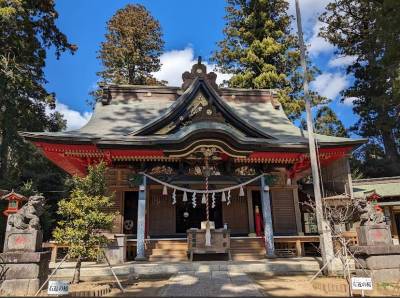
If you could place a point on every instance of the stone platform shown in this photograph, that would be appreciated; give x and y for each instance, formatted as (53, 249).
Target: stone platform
(382, 263)
(279, 266)
(26, 272)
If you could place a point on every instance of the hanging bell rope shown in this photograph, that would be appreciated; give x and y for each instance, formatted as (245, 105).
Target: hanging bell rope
(197, 190)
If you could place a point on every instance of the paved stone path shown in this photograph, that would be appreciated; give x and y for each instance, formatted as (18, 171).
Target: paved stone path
(214, 283)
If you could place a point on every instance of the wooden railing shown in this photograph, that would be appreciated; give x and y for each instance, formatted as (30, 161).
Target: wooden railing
(293, 245)
(53, 247)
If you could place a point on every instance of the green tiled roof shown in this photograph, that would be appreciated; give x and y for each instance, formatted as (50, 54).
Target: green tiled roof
(384, 187)
(121, 119)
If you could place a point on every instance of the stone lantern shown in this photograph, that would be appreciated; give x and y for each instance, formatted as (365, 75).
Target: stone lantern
(15, 202)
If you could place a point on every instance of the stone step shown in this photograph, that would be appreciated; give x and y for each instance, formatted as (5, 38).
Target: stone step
(247, 247)
(178, 245)
(248, 250)
(247, 244)
(167, 259)
(247, 257)
(163, 252)
(169, 241)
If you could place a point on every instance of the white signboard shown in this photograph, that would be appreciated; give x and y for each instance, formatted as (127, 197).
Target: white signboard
(57, 287)
(361, 283)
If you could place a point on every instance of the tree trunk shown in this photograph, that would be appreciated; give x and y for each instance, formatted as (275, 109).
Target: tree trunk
(5, 144)
(77, 273)
(390, 146)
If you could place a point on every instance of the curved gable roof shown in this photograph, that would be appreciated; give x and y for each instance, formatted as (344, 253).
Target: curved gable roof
(175, 110)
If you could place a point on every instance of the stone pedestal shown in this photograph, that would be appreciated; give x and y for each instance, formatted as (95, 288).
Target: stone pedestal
(23, 240)
(380, 262)
(116, 250)
(26, 272)
(374, 235)
(376, 256)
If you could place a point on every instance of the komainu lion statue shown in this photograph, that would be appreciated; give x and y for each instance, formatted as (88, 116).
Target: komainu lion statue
(27, 218)
(368, 214)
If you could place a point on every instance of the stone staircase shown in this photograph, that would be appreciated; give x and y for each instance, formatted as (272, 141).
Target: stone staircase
(242, 249)
(247, 249)
(167, 250)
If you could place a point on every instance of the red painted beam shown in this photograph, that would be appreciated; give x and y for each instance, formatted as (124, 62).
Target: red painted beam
(258, 154)
(60, 154)
(72, 165)
(324, 159)
(139, 153)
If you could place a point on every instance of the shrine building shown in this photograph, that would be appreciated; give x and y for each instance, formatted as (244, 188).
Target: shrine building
(161, 144)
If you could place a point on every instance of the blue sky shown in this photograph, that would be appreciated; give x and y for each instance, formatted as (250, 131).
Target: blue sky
(190, 28)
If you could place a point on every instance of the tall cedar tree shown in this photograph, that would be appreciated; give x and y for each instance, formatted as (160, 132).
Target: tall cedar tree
(84, 217)
(327, 123)
(132, 48)
(370, 31)
(261, 52)
(27, 29)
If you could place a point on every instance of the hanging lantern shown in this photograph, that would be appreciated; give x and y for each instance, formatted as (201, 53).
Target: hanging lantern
(184, 198)
(194, 200)
(241, 192)
(165, 191)
(203, 199)
(174, 197)
(223, 198)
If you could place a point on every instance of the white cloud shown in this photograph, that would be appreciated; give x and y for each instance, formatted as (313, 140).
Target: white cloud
(317, 44)
(348, 101)
(341, 61)
(176, 62)
(310, 9)
(330, 84)
(75, 119)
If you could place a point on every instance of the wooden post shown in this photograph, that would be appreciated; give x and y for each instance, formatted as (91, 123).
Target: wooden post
(324, 231)
(267, 218)
(349, 180)
(141, 222)
(250, 211)
(299, 225)
(54, 251)
(299, 248)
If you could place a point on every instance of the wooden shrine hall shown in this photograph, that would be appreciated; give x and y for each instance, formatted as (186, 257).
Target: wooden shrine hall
(158, 141)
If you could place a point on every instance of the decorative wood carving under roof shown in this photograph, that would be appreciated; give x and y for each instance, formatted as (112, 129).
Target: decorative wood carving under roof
(199, 103)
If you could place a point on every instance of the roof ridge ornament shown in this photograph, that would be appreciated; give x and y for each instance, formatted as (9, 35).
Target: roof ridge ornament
(199, 70)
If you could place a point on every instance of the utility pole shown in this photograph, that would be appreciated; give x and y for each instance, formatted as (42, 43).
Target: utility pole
(324, 231)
